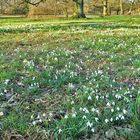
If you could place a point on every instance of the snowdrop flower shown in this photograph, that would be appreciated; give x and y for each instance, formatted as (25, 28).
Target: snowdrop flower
(1, 113)
(1, 93)
(107, 96)
(113, 80)
(102, 97)
(96, 119)
(89, 124)
(97, 111)
(59, 131)
(55, 58)
(71, 86)
(118, 108)
(84, 117)
(5, 90)
(97, 97)
(93, 109)
(66, 116)
(100, 71)
(122, 117)
(86, 111)
(34, 122)
(118, 96)
(43, 114)
(111, 119)
(133, 88)
(112, 110)
(106, 120)
(33, 78)
(7, 81)
(113, 103)
(108, 104)
(50, 114)
(40, 120)
(72, 102)
(81, 109)
(32, 116)
(124, 111)
(89, 98)
(117, 118)
(131, 96)
(73, 115)
(93, 130)
(38, 116)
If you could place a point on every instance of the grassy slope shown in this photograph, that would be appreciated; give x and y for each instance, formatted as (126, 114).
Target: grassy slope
(50, 69)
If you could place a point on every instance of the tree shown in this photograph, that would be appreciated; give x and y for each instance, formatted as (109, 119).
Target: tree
(65, 5)
(79, 9)
(108, 7)
(104, 7)
(131, 6)
(121, 7)
(1, 6)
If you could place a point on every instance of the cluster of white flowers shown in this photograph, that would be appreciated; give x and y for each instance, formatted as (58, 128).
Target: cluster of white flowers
(97, 94)
(98, 107)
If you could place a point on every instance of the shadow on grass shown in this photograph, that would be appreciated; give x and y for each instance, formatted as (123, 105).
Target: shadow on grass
(67, 26)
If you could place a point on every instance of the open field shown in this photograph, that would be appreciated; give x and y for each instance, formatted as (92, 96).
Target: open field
(70, 79)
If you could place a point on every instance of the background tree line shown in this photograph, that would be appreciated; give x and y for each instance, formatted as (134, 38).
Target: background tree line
(76, 8)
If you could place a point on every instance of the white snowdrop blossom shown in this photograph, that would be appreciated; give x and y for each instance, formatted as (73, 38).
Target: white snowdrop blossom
(106, 120)
(112, 110)
(111, 119)
(73, 115)
(89, 124)
(72, 102)
(66, 117)
(59, 131)
(108, 104)
(1, 113)
(93, 109)
(43, 114)
(96, 119)
(97, 97)
(84, 117)
(93, 130)
(117, 118)
(89, 98)
(118, 108)
(113, 103)
(34, 122)
(124, 111)
(40, 120)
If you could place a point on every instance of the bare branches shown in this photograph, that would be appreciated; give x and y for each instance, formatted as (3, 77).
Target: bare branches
(34, 2)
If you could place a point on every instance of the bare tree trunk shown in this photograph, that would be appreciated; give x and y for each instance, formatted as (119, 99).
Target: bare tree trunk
(130, 10)
(104, 7)
(79, 9)
(1, 6)
(66, 11)
(121, 7)
(55, 8)
(108, 7)
(31, 10)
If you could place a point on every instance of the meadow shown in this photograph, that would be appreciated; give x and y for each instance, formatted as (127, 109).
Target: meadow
(69, 79)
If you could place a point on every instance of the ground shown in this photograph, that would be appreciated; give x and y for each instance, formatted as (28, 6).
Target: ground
(70, 79)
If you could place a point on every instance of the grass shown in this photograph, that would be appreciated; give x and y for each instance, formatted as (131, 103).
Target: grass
(69, 79)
